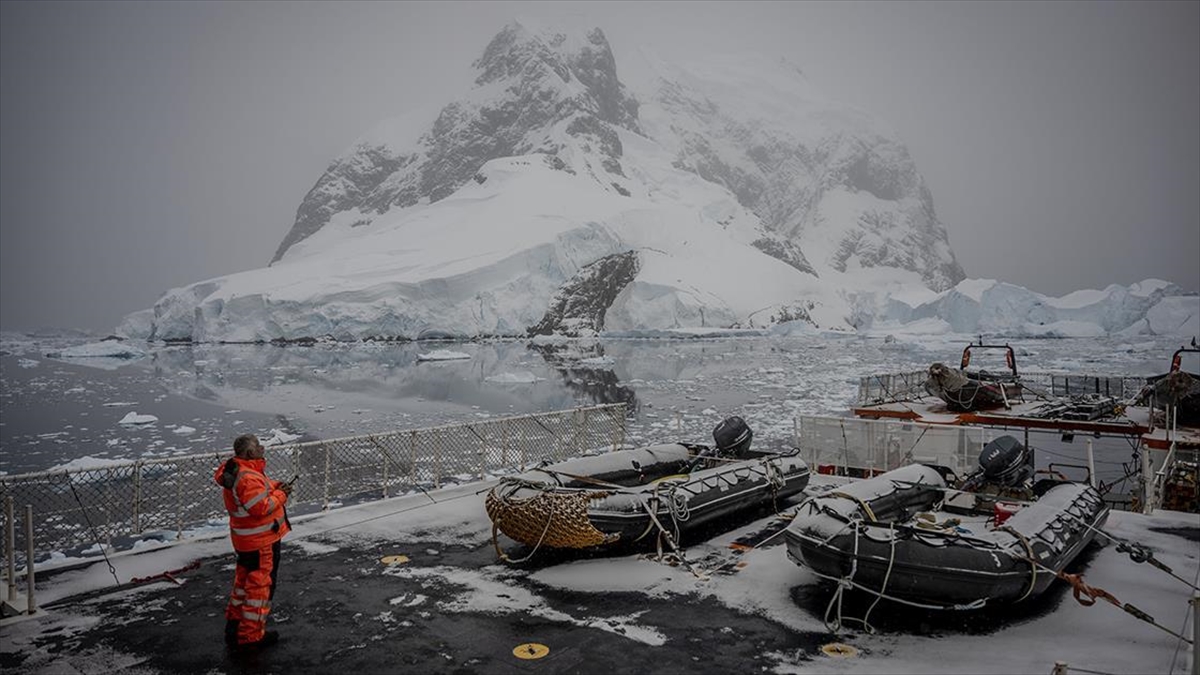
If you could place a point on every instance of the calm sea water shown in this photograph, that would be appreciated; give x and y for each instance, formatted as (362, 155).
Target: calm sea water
(54, 411)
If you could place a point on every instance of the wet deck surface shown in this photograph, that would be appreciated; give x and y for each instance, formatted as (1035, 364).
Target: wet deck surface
(345, 610)
(452, 607)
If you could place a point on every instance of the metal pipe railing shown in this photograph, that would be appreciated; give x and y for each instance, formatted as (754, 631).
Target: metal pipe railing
(1195, 602)
(30, 576)
(10, 548)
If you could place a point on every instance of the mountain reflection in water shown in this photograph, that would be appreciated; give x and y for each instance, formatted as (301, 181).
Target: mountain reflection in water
(675, 389)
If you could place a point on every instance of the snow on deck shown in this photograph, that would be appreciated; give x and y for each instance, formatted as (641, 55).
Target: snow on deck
(452, 607)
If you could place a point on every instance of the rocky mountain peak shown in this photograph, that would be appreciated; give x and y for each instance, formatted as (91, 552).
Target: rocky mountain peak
(530, 81)
(553, 196)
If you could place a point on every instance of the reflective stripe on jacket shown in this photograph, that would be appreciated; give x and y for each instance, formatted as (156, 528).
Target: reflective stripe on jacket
(257, 516)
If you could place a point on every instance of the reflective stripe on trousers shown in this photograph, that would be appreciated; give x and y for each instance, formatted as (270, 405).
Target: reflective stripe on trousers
(253, 588)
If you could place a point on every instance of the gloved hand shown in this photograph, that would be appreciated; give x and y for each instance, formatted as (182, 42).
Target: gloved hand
(286, 489)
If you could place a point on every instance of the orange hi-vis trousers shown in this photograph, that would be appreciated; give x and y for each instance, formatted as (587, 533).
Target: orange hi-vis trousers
(253, 589)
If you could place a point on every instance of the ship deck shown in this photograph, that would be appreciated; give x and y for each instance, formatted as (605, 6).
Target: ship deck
(414, 584)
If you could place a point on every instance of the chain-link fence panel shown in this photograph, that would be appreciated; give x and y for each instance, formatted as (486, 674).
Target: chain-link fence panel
(892, 387)
(76, 510)
(861, 446)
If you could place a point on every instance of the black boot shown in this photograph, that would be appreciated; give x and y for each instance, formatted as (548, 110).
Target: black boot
(231, 626)
(269, 638)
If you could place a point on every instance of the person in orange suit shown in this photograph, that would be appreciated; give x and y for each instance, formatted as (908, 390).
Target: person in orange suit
(257, 522)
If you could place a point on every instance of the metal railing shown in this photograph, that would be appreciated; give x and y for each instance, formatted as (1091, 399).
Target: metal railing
(164, 498)
(910, 386)
(872, 446)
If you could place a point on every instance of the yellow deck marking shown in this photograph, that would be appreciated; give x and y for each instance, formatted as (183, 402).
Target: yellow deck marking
(530, 650)
(839, 651)
(394, 559)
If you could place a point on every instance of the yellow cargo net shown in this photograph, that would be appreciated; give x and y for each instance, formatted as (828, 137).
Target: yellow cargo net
(558, 519)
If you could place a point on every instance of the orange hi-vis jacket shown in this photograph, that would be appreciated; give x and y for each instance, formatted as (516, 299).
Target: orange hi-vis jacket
(255, 503)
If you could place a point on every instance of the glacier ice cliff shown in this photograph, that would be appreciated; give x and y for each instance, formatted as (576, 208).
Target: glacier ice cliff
(554, 196)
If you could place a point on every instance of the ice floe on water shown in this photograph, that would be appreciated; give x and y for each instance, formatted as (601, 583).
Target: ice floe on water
(88, 463)
(279, 437)
(134, 419)
(443, 355)
(514, 378)
(110, 348)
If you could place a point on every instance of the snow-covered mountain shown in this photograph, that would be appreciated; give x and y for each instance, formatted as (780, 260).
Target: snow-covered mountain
(555, 197)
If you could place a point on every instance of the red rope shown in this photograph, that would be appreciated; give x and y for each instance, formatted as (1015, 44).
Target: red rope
(1081, 588)
(169, 575)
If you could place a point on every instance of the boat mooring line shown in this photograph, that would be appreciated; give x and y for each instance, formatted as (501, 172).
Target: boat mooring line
(83, 509)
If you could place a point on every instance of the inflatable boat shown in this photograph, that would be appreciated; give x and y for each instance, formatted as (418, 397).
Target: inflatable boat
(628, 495)
(908, 534)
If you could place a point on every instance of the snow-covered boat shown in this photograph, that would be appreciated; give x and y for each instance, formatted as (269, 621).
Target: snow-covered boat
(908, 534)
(965, 391)
(629, 495)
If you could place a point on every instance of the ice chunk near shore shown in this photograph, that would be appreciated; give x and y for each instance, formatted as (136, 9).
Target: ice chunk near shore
(134, 419)
(106, 349)
(514, 378)
(442, 355)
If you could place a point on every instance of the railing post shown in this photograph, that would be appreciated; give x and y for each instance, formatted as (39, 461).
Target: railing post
(576, 433)
(437, 456)
(504, 442)
(137, 496)
(1196, 635)
(1091, 460)
(412, 449)
(178, 502)
(29, 573)
(328, 459)
(557, 440)
(586, 433)
(524, 447)
(10, 548)
(617, 417)
(483, 458)
(385, 475)
(1147, 481)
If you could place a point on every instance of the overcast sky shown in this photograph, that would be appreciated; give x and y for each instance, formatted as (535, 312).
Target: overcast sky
(145, 146)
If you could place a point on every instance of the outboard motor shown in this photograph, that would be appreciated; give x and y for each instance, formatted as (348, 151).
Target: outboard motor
(732, 437)
(1004, 462)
